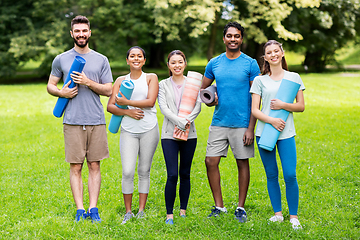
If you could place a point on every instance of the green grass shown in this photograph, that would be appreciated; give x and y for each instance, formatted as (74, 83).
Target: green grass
(36, 201)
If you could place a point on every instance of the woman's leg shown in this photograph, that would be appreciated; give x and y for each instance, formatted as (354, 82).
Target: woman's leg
(171, 152)
(129, 148)
(287, 153)
(148, 144)
(187, 150)
(269, 161)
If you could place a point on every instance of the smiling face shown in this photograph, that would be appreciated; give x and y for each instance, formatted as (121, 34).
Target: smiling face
(176, 65)
(135, 59)
(80, 33)
(273, 54)
(233, 39)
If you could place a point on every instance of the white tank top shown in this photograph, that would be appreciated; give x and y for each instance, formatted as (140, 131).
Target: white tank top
(149, 120)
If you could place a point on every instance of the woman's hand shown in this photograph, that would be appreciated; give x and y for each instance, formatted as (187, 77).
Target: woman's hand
(276, 104)
(121, 100)
(135, 113)
(278, 124)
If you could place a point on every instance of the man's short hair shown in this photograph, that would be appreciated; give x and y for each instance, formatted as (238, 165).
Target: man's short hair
(235, 25)
(80, 19)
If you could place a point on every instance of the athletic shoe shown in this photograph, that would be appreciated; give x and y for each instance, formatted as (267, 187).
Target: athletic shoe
(93, 213)
(169, 221)
(140, 214)
(183, 215)
(127, 217)
(295, 223)
(80, 215)
(215, 212)
(276, 218)
(240, 215)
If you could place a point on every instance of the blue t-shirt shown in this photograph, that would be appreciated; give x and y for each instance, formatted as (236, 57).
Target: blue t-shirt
(233, 77)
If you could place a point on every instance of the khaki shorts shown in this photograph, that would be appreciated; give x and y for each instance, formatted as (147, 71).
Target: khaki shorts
(85, 141)
(221, 137)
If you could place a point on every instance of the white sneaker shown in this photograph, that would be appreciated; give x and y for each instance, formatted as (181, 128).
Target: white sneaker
(276, 218)
(127, 217)
(295, 223)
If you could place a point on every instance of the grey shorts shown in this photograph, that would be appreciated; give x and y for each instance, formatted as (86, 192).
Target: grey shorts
(85, 141)
(221, 137)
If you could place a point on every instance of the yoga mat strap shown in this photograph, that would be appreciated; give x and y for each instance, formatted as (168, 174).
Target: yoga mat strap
(286, 93)
(77, 66)
(126, 88)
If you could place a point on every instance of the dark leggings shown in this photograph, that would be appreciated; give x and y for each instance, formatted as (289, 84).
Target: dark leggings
(171, 150)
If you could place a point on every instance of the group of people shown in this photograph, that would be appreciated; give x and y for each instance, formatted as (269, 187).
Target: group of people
(241, 90)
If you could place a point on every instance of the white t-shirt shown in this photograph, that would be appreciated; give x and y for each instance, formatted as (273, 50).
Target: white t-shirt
(267, 88)
(149, 120)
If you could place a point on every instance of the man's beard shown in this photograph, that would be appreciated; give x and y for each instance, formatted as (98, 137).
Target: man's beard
(234, 49)
(81, 45)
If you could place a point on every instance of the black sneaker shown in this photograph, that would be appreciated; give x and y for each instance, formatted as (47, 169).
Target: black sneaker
(215, 212)
(240, 215)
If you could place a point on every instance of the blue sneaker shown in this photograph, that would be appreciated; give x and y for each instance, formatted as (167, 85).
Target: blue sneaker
(169, 221)
(240, 215)
(93, 213)
(80, 215)
(215, 212)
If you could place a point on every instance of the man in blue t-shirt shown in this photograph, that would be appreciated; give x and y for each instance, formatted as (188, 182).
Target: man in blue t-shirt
(84, 119)
(232, 122)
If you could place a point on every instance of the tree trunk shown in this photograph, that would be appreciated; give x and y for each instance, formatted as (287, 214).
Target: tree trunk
(211, 47)
(155, 58)
(314, 61)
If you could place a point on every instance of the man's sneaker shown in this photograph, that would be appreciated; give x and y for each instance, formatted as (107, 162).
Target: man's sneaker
(295, 223)
(80, 215)
(240, 215)
(93, 213)
(276, 218)
(140, 214)
(127, 217)
(215, 212)
(169, 221)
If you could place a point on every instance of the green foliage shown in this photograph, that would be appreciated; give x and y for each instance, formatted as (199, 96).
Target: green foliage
(325, 30)
(36, 200)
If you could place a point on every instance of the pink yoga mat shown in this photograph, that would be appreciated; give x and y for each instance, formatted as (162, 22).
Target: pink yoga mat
(189, 97)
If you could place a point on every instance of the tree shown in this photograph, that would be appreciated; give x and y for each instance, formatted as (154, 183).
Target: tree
(325, 29)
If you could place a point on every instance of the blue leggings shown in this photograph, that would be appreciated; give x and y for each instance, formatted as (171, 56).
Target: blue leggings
(171, 149)
(287, 153)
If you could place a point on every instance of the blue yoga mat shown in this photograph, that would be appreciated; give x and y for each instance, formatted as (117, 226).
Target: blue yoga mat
(77, 65)
(286, 93)
(126, 88)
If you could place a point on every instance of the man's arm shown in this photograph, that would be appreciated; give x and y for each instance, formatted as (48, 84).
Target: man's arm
(65, 92)
(101, 89)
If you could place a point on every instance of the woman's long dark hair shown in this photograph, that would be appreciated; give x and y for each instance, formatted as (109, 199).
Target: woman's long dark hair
(266, 65)
(175, 52)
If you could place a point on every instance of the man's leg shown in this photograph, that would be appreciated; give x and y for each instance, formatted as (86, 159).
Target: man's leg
(76, 184)
(94, 183)
(213, 173)
(243, 179)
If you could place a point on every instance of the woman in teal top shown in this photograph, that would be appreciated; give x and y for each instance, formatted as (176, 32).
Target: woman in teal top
(264, 89)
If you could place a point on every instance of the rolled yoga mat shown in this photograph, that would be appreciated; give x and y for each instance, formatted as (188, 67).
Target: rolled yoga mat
(188, 99)
(207, 95)
(126, 88)
(77, 65)
(286, 93)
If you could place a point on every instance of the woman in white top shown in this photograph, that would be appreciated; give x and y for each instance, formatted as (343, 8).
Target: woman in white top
(170, 94)
(264, 88)
(139, 135)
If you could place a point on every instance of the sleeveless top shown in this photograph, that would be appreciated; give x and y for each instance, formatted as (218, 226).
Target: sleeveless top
(149, 120)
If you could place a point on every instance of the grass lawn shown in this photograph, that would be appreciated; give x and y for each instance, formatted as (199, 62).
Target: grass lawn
(36, 201)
